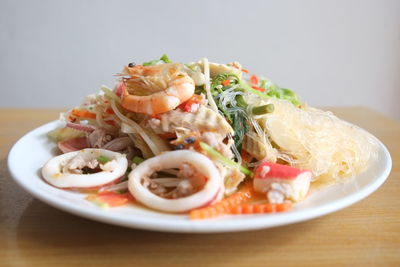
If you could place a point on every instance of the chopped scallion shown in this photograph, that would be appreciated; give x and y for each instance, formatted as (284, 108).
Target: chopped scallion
(260, 110)
(137, 160)
(165, 58)
(221, 158)
(103, 159)
(241, 102)
(151, 62)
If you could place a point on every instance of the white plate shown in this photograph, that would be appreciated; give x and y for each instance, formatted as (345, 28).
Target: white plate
(29, 154)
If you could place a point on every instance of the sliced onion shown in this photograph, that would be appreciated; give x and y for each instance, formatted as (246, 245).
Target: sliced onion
(81, 127)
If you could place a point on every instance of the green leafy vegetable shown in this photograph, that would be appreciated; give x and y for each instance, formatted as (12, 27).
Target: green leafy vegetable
(231, 103)
(216, 86)
(228, 91)
(248, 88)
(272, 90)
(163, 59)
(281, 93)
(241, 127)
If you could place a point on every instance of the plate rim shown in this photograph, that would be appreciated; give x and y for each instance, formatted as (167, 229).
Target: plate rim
(253, 222)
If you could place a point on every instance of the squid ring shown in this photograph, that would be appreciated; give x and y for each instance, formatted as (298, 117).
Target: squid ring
(212, 188)
(55, 174)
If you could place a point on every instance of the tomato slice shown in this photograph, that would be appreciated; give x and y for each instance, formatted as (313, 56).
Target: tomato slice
(112, 199)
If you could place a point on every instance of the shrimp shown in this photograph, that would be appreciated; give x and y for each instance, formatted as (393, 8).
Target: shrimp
(156, 89)
(143, 188)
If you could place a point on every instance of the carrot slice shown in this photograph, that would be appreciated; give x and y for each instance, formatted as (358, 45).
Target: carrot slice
(224, 206)
(225, 82)
(260, 208)
(283, 207)
(83, 113)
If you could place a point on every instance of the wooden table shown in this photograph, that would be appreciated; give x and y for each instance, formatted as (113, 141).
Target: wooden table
(35, 234)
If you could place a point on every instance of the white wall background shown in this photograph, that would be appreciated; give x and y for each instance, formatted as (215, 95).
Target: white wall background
(333, 53)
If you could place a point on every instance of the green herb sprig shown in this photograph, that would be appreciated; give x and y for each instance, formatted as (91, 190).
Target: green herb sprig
(163, 59)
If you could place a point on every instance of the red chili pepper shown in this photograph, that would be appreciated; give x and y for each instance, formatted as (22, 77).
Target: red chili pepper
(168, 136)
(155, 116)
(109, 111)
(119, 89)
(258, 88)
(187, 105)
(246, 157)
(237, 67)
(254, 80)
(112, 123)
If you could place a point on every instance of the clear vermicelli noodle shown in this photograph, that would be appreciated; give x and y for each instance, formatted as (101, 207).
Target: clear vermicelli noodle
(319, 141)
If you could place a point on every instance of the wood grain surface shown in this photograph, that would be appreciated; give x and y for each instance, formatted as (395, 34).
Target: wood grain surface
(35, 234)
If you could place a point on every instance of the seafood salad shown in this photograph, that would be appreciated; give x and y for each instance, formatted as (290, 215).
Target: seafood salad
(202, 139)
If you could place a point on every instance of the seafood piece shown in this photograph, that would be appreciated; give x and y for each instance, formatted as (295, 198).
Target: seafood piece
(208, 126)
(254, 145)
(118, 144)
(203, 167)
(203, 120)
(282, 182)
(215, 140)
(156, 89)
(144, 80)
(197, 76)
(85, 168)
(98, 138)
(232, 178)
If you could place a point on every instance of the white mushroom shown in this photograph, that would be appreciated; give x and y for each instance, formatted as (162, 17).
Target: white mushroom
(69, 170)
